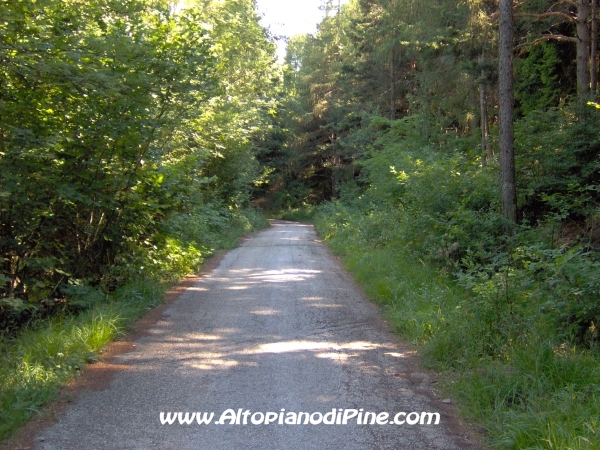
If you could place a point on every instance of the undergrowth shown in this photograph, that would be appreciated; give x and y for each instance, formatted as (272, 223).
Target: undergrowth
(47, 354)
(532, 389)
(304, 213)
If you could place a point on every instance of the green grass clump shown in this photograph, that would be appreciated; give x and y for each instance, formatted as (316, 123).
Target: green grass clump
(542, 397)
(44, 356)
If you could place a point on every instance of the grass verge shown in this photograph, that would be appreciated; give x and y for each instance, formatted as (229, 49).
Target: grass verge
(48, 354)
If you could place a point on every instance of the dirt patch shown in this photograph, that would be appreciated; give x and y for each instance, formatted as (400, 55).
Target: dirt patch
(98, 375)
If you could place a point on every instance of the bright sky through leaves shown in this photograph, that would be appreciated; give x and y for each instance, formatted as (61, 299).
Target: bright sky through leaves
(290, 17)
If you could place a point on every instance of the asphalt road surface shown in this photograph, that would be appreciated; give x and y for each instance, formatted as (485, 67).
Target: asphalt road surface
(279, 325)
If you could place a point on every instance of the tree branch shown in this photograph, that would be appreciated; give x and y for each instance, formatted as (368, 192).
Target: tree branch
(548, 37)
(548, 14)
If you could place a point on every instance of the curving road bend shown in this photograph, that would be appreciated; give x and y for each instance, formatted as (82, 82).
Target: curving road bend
(278, 325)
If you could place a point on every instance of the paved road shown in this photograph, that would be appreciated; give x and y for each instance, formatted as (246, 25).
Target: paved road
(278, 325)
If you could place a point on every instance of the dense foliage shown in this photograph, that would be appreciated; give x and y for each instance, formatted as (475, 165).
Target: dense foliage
(128, 135)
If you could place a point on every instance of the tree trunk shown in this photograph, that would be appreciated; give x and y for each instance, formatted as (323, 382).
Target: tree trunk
(508, 192)
(594, 49)
(485, 145)
(583, 47)
(484, 118)
(393, 85)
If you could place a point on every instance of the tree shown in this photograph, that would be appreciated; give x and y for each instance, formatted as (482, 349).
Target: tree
(583, 47)
(484, 122)
(573, 13)
(508, 191)
(594, 48)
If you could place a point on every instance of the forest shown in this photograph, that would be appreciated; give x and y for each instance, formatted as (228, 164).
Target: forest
(448, 151)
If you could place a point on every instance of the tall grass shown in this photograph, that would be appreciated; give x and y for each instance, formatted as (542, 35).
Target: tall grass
(44, 356)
